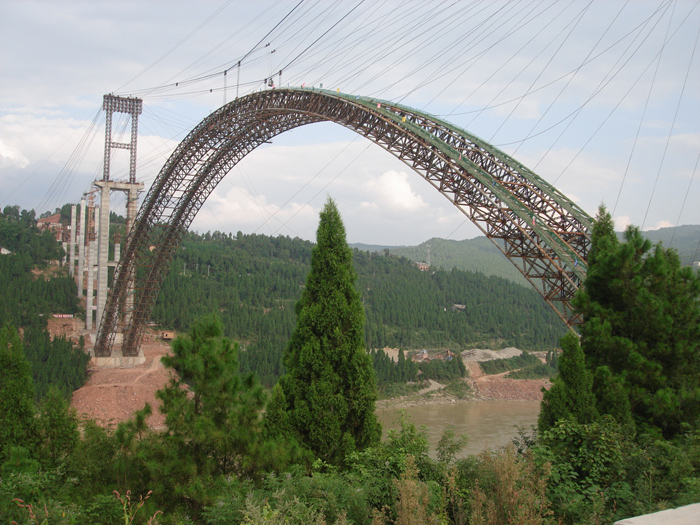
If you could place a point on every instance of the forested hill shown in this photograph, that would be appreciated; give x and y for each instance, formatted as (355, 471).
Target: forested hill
(684, 239)
(474, 255)
(254, 281)
(32, 287)
(481, 255)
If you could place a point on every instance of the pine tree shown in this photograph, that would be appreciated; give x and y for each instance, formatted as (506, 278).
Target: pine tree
(57, 429)
(329, 390)
(641, 330)
(212, 412)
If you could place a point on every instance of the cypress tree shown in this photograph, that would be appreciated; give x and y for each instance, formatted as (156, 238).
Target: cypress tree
(329, 390)
(571, 396)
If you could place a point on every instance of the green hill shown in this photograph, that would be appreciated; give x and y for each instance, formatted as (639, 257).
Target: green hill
(473, 255)
(684, 239)
(481, 255)
(254, 281)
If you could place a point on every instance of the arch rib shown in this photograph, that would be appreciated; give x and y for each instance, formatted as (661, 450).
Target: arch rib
(541, 231)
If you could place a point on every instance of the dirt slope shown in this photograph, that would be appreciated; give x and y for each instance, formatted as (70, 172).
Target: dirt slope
(112, 395)
(497, 386)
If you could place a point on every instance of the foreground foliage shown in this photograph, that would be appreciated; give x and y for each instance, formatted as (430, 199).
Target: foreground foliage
(213, 465)
(639, 354)
(326, 399)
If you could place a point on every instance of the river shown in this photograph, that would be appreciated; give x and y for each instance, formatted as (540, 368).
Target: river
(489, 424)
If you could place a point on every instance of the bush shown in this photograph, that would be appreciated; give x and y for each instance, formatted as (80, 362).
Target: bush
(498, 366)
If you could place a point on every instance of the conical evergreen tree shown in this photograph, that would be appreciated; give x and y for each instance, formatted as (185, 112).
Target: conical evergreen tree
(571, 396)
(329, 390)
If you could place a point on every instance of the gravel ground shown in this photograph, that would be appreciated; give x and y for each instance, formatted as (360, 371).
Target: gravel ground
(478, 354)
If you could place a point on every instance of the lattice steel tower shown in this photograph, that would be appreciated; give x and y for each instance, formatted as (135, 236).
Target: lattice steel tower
(133, 107)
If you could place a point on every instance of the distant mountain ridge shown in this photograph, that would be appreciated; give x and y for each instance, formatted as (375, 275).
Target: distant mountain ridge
(481, 255)
(475, 255)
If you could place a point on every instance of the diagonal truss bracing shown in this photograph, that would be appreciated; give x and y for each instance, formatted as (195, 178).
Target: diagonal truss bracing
(541, 231)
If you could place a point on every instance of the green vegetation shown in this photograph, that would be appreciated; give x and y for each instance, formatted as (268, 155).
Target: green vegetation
(32, 290)
(641, 335)
(498, 366)
(254, 281)
(387, 371)
(56, 362)
(597, 458)
(328, 369)
(523, 366)
(472, 255)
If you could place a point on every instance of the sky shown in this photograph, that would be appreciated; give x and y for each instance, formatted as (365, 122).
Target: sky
(600, 98)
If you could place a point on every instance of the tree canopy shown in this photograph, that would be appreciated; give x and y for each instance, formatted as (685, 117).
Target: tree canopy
(326, 399)
(640, 332)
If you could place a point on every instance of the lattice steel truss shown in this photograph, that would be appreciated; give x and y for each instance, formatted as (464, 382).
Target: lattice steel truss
(131, 106)
(542, 232)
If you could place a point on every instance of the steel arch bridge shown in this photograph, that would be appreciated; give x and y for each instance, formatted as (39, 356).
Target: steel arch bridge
(544, 234)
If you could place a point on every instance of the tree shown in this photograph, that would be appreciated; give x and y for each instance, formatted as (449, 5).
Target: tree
(57, 429)
(17, 424)
(327, 396)
(641, 330)
(571, 396)
(216, 425)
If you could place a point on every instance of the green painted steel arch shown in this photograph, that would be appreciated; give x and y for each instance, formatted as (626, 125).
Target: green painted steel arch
(538, 228)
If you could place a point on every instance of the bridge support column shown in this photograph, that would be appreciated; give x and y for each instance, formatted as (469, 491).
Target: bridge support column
(92, 261)
(81, 248)
(102, 251)
(71, 249)
(132, 190)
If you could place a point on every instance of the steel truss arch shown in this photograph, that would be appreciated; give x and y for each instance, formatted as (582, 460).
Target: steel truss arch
(541, 231)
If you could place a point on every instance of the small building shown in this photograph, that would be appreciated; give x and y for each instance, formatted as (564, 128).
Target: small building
(420, 356)
(423, 267)
(446, 355)
(167, 335)
(52, 223)
(4, 251)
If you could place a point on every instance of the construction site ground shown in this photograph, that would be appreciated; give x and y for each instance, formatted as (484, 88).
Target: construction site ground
(113, 395)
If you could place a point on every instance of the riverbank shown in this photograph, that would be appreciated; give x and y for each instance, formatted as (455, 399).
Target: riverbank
(476, 386)
(113, 395)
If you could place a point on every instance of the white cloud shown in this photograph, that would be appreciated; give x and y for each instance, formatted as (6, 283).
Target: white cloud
(622, 222)
(11, 156)
(661, 224)
(237, 209)
(67, 55)
(392, 191)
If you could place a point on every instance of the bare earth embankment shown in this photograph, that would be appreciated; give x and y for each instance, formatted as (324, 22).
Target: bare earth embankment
(113, 395)
(482, 386)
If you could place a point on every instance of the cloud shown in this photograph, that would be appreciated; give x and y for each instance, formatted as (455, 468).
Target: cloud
(660, 224)
(392, 191)
(11, 156)
(236, 209)
(622, 222)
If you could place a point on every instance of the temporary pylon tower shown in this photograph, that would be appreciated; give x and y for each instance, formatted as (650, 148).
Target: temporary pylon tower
(132, 107)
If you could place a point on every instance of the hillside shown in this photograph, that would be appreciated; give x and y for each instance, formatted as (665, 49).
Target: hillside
(684, 239)
(254, 281)
(481, 255)
(473, 255)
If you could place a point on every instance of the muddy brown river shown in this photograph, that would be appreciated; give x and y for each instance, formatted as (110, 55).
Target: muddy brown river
(489, 424)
